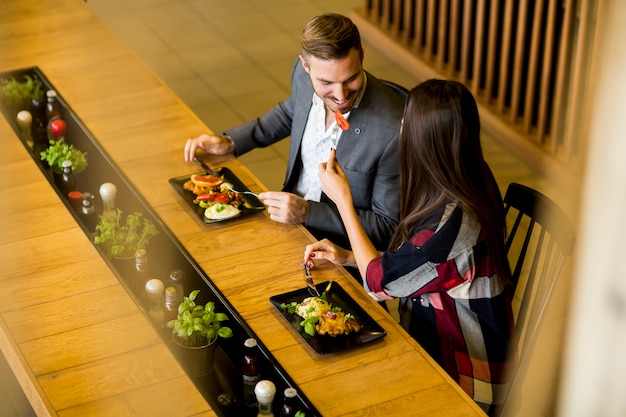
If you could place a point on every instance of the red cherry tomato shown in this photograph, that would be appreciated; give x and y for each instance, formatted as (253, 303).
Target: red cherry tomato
(206, 197)
(341, 121)
(222, 198)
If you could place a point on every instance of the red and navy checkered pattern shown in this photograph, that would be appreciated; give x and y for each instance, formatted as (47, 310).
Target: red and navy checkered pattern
(460, 311)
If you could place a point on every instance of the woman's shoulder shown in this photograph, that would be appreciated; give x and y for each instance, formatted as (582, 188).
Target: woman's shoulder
(447, 232)
(440, 217)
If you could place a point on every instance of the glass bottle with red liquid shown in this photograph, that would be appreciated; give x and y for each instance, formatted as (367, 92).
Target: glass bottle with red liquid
(67, 180)
(251, 372)
(53, 108)
(290, 403)
(39, 126)
(53, 113)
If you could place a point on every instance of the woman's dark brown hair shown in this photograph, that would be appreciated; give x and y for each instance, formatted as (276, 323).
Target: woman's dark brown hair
(441, 162)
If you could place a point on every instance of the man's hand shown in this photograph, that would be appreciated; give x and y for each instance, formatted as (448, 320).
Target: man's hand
(212, 144)
(285, 207)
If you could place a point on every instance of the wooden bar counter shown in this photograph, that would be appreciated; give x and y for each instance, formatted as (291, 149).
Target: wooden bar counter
(74, 337)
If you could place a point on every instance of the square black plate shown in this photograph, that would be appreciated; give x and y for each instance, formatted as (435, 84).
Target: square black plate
(251, 203)
(337, 297)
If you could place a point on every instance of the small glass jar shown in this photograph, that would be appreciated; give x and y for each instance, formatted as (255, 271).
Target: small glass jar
(177, 280)
(172, 301)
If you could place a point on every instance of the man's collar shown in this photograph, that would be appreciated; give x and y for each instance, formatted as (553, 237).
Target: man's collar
(361, 92)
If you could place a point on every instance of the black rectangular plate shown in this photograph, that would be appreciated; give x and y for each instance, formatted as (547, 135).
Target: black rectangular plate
(337, 297)
(251, 203)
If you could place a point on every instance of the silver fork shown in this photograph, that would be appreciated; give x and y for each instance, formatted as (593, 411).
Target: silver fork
(230, 187)
(309, 280)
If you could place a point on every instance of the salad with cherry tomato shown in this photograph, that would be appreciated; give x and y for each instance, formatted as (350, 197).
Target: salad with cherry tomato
(224, 195)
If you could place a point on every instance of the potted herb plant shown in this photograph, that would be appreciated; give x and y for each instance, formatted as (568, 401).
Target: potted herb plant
(19, 94)
(119, 238)
(195, 331)
(60, 151)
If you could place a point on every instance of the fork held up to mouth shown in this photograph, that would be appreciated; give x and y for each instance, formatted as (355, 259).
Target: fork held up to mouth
(309, 280)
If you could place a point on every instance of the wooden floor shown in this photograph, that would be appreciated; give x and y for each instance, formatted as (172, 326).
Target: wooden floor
(253, 72)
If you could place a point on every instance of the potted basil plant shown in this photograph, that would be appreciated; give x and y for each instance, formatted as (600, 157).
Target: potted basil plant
(195, 330)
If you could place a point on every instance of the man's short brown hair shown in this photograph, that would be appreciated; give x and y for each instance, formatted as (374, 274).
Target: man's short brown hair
(330, 37)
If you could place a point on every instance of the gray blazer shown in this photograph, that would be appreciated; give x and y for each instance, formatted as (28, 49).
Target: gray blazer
(367, 152)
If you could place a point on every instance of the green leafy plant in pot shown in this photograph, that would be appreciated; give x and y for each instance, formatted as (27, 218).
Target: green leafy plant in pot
(60, 151)
(120, 238)
(19, 94)
(195, 330)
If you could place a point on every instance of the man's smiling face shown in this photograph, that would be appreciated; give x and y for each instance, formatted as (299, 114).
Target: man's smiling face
(337, 82)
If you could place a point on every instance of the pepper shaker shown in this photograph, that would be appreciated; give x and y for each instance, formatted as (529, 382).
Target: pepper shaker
(88, 212)
(108, 192)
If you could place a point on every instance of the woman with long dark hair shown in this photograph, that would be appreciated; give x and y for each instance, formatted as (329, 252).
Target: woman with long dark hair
(446, 261)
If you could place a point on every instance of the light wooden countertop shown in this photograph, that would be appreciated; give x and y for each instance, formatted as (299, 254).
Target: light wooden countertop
(74, 338)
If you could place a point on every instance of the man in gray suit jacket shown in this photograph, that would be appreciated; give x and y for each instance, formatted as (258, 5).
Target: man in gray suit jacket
(334, 103)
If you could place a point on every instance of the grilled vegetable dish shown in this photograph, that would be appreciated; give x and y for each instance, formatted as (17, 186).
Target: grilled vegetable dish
(213, 195)
(319, 317)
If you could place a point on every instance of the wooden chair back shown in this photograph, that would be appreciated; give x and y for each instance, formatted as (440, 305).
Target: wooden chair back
(540, 238)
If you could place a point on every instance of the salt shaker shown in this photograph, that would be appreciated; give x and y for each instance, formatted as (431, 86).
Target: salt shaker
(265, 391)
(154, 292)
(25, 122)
(108, 192)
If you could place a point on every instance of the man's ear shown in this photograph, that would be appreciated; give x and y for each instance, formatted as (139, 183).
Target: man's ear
(304, 64)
